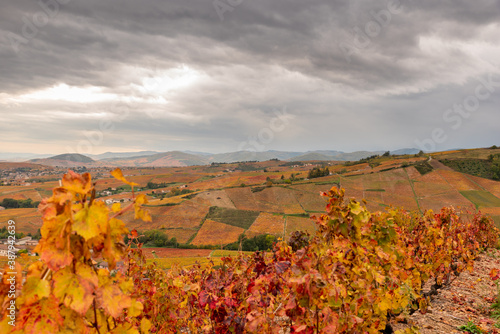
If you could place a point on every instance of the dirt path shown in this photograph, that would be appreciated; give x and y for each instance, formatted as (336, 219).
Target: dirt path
(467, 298)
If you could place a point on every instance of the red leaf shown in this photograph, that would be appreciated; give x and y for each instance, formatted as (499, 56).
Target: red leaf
(282, 266)
(203, 298)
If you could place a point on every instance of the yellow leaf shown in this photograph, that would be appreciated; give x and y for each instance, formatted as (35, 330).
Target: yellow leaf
(117, 174)
(75, 290)
(145, 325)
(135, 309)
(117, 228)
(385, 305)
(178, 283)
(116, 207)
(110, 296)
(125, 329)
(89, 223)
(140, 213)
(34, 289)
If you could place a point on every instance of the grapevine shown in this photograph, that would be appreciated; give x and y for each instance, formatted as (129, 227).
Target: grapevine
(358, 271)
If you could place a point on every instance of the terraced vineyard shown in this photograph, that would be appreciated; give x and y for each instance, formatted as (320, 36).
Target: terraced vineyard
(234, 198)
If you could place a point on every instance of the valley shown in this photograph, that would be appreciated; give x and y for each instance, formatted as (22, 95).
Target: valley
(212, 205)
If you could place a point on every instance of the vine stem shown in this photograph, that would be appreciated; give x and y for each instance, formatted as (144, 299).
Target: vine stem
(95, 319)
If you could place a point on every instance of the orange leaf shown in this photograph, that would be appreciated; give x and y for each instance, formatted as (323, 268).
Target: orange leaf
(495, 274)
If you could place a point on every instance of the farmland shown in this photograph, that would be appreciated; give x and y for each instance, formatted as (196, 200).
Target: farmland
(482, 199)
(299, 224)
(228, 200)
(267, 223)
(212, 233)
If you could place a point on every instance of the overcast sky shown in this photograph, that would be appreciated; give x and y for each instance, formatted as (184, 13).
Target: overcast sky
(91, 76)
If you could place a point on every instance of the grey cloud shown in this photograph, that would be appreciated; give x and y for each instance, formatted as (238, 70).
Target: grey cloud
(263, 56)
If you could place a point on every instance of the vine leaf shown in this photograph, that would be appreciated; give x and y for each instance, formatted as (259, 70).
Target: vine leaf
(34, 290)
(76, 289)
(117, 174)
(89, 222)
(110, 296)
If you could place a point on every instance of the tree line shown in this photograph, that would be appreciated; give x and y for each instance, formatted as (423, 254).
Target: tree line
(10, 203)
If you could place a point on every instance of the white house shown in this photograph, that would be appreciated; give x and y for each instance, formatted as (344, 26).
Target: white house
(23, 241)
(4, 250)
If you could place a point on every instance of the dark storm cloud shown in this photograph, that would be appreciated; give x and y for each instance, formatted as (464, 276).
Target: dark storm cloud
(365, 67)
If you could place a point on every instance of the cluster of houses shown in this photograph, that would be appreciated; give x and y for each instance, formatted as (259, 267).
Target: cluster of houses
(19, 176)
(110, 201)
(27, 243)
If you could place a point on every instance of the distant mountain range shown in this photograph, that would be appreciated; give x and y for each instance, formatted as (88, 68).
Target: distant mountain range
(110, 155)
(189, 158)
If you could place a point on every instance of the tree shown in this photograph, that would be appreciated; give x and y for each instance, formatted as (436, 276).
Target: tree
(387, 154)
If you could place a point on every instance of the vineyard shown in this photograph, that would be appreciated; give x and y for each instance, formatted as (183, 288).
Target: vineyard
(359, 272)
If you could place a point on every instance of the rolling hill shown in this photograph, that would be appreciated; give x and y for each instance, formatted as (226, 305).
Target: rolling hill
(111, 155)
(66, 160)
(190, 158)
(230, 195)
(167, 159)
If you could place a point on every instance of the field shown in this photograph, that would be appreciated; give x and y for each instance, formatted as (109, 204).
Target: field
(175, 252)
(226, 253)
(477, 153)
(242, 198)
(219, 201)
(497, 221)
(488, 185)
(286, 200)
(27, 220)
(215, 233)
(451, 198)
(431, 184)
(299, 224)
(308, 195)
(192, 257)
(184, 262)
(459, 181)
(267, 223)
(181, 234)
(218, 198)
(186, 215)
(482, 199)
(238, 218)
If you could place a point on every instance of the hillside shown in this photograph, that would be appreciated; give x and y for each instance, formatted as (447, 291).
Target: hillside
(190, 158)
(484, 162)
(173, 159)
(74, 157)
(388, 265)
(65, 160)
(111, 155)
(234, 193)
(313, 156)
(251, 156)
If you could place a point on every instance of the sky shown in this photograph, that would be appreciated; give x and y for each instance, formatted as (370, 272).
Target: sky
(91, 76)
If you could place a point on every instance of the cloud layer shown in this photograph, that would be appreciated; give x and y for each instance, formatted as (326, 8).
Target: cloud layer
(93, 76)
